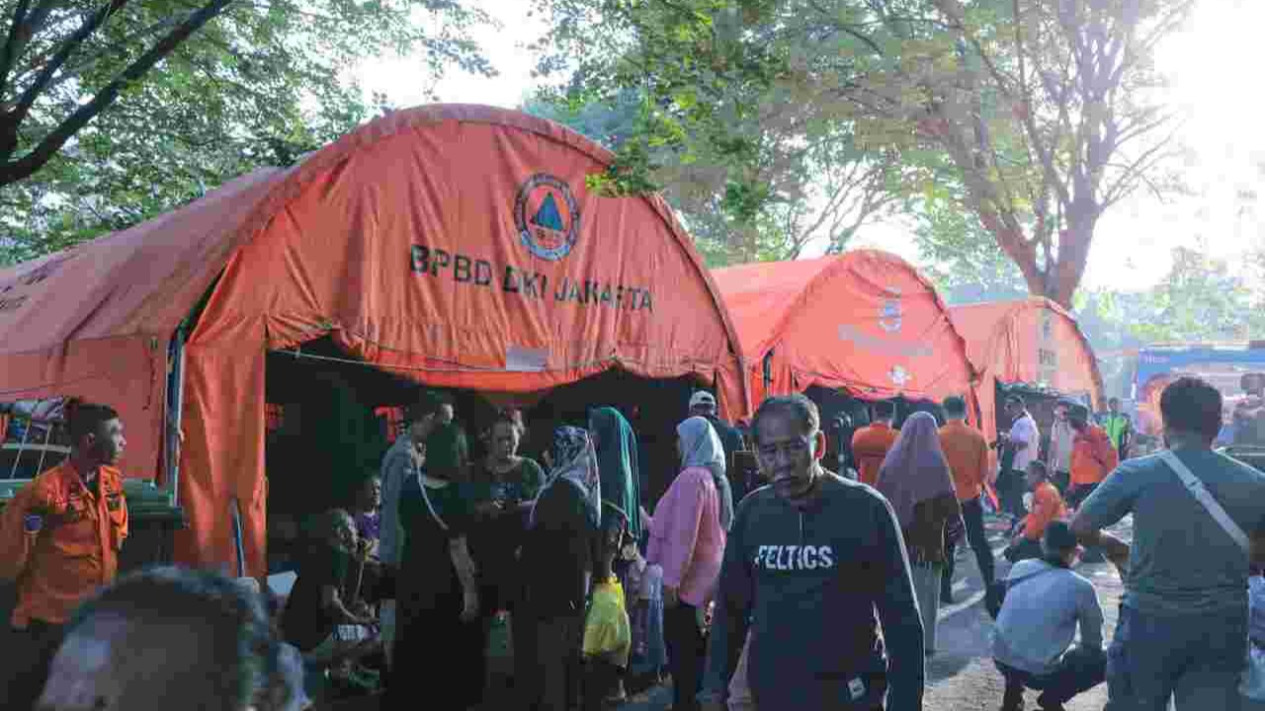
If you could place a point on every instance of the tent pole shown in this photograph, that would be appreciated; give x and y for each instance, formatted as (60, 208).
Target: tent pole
(175, 411)
(48, 435)
(21, 447)
(237, 539)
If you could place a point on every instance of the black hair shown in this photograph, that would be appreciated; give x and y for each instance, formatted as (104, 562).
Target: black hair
(85, 418)
(1057, 541)
(884, 409)
(1015, 400)
(1040, 467)
(1192, 405)
(247, 657)
(798, 406)
(421, 409)
(510, 416)
(955, 406)
(1078, 411)
(1114, 399)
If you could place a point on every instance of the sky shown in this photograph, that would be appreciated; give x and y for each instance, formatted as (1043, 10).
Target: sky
(1212, 66)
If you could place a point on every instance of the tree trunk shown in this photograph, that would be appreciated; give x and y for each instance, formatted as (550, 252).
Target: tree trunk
(1057, 281)
(1073, 253)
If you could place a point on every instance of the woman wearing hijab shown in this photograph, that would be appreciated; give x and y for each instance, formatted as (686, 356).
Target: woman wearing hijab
(441, 638)
(687, 542)
(556, 567)
(616, 446)
(915, 478)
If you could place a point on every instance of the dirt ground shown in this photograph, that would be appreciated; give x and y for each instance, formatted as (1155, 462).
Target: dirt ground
(961, 677)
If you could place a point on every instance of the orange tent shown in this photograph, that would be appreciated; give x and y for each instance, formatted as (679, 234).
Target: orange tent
(865, 321)
(1032, 342)
(457, 245)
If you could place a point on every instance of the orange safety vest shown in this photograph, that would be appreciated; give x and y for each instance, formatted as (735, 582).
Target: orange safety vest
(60, 541)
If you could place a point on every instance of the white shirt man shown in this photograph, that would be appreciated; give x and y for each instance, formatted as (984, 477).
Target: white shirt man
(1026, 439)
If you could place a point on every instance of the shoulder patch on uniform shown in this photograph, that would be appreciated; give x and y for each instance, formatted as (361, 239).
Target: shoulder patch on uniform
(856, 687)
(32, 523)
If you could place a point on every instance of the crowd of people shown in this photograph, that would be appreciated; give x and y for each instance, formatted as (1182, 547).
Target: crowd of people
(813, 590)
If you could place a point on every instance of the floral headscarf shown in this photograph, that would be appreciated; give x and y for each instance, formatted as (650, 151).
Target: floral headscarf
(575, 460)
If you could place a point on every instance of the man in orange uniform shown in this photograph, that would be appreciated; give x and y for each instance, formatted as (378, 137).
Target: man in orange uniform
(870, 444)
(59, 540)
(1047, 507)
(1093, 456)
(967, 453)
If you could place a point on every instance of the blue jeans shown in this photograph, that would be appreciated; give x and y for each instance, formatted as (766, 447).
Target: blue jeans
(1196, 658)
(1079, 671)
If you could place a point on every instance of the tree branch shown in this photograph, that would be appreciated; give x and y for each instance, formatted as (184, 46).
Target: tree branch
(1125, 184)
(869, 42)
(75, 69)
(71, 43)
(12, 45)
(13, 171)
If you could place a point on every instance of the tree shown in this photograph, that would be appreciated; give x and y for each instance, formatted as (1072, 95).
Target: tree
(1042, 110)
(1200, 299)
(127, 109)
(756, 171)
(961, 258)
(1046, 115)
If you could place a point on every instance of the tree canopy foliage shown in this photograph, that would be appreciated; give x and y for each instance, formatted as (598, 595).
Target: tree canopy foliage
(1033, 115)
(823, 190)
(112, 111)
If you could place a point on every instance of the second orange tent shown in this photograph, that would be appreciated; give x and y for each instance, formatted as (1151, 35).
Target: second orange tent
(865, 322)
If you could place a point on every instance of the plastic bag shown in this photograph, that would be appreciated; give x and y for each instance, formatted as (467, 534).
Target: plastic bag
(607, 631)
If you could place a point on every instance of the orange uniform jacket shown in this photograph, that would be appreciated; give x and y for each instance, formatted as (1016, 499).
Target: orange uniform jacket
(1047, 506)
(60, 541)
(869, 447)
(1093, 457)
(967, 453)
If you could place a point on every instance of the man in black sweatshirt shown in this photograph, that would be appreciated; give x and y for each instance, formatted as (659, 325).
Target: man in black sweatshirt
(810, 559)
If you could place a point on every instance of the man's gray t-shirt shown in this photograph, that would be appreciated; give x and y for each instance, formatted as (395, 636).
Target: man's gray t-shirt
(1181, 562)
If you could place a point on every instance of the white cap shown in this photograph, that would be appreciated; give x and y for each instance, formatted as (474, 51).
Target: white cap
(702, 397)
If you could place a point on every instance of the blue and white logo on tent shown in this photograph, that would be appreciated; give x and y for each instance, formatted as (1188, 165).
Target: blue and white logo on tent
(547, 217)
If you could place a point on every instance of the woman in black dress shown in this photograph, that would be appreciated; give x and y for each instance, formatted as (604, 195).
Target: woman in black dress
(556, 567)
(439, 649)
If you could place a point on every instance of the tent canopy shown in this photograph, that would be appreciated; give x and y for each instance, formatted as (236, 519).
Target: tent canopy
(1032, 342)
(456, 245)
(95, 321)
(865, 321)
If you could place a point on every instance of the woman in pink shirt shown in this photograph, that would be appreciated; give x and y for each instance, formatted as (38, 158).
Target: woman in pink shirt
(687, 541)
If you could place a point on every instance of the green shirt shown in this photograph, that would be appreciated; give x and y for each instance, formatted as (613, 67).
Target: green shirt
(1181, 562)
(522, 483)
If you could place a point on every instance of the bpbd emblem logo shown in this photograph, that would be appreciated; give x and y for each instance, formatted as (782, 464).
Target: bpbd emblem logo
(890, 312)
(547, 217)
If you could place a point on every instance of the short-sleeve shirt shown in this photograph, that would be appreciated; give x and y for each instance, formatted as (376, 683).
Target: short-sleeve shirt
(1025, 430)
(1047, 506)
(426, 571)
(1181, 562)
(521, 483)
